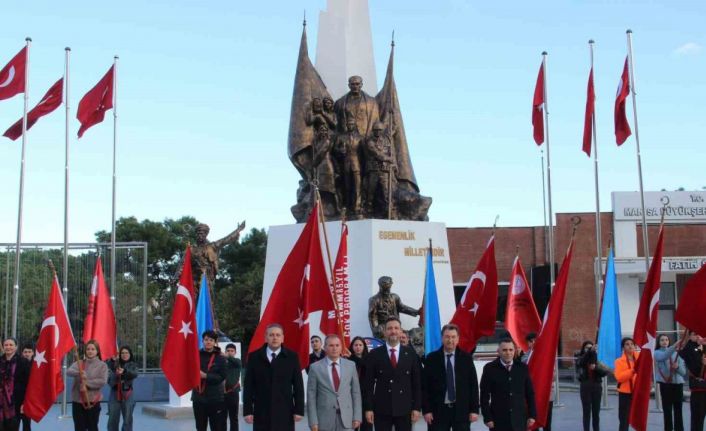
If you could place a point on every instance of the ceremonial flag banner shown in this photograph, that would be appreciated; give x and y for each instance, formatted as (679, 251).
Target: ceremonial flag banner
(692, 303)
(92, 107)
(204, 310)
(180, 356)
(55, 340)
(609, 330)
(12, 76)
(543, 358)
(301, 288)
(521, 315)
(645, 335)
(475, 315)
(100, 318)
(538, 108)
(622, 127)
(51, 100)
(588, 117)
(432, 321)
(341, 289)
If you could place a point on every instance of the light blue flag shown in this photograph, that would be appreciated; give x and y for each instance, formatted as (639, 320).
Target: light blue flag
(609, 332)
(432, 321)
(204, 312)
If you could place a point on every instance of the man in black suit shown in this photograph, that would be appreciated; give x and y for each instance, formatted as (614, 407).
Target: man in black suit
(273, 395)
(506, 393)
(392, 389)
(450, 394)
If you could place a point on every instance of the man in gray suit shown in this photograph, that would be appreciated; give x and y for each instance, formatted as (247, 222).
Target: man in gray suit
(333, 392)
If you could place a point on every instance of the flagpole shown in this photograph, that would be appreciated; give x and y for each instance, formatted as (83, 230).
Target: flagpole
(115, 142)
(544, 210)
(16, 290)
(65, 269)
(549, 174)
(599, 246)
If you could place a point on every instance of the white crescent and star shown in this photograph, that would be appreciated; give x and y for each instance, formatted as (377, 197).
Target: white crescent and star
(185, 328)
(10, 77)
(51, 321)
(39, 358)
(478, 275)
(181, 290)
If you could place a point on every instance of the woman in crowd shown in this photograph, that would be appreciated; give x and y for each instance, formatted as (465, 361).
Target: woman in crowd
(14, 374)
(590, 375)
(694, 355)
(89, 375)
(671, 373)
(359, 351)
(625, 375)
(122, 371)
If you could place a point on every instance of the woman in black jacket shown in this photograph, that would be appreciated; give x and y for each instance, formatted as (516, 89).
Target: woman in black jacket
(121, 373)
(590, 376)
(359, 350)
(14, 375)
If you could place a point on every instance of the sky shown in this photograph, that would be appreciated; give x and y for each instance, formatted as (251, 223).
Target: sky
(204, 94)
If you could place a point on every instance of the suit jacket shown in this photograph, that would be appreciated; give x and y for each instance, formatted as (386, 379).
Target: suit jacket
(507, 398)
(323, 400)
(392, 391)
(273, 392)
(434, 384)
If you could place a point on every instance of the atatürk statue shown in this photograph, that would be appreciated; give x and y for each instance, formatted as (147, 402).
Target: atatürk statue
(372, 173)
(384, 305)
(205, 254)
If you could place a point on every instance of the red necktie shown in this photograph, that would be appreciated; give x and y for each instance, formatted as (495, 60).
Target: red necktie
(336, 378)
(393, 358)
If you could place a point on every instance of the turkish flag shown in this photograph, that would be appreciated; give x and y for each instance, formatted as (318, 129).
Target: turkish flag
(55, 340)
(100, 318)
(341, 289)
(12, 76)
(692, 303)
(475, 314)
(521, 315)
(622, 127)
(645, 335)
(92, 107)
(588, 118)
(180, 356)
(51, 100)
(300, 289)
(538, 108)
(543, 357)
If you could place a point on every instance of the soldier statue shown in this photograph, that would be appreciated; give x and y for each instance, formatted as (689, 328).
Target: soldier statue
(347, 152)
(381, 167)
(205, 254)
(384, 305)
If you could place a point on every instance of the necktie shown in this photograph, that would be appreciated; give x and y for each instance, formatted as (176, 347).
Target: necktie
(274, 355)
(393, 358)
(450, 380)
(508, 367)
(336, 378)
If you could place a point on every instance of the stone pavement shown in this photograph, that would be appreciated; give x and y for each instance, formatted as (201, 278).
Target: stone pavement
(566, 418)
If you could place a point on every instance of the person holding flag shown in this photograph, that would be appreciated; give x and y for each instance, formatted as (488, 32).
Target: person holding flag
(90, 375)
(209, 397)
(694, 355)
(626, 375)
(122, 372)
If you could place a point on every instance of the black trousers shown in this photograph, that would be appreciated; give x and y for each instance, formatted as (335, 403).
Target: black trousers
(698, 410)
(10, 424)
(211, 414)
(26, 423)
(386, 422)
(232, 406)
(445, 420)
(591, 393)
(548, 426)
(672, 399)
(624, 401)
(85, 419)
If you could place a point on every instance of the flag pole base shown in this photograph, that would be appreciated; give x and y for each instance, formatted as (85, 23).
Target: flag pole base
(559, 405)
(64, 417)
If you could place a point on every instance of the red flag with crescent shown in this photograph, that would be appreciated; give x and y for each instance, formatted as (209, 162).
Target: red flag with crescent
(51, 100)
(55, 340)
(100, 318)
(12, 76)
(521, 316)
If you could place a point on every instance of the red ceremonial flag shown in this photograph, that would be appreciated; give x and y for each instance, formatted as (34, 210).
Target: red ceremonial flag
(588, 118)
(476, 313)
(538, 108)
(51, 100)
(645, 335)
(692, 303)
(12, 76)
(622, 127)
(55, 340)
(542, 360)
(300, 289)
(92, 107)
(521, 315)
(180, 355)
(341, 288)
(100, 318)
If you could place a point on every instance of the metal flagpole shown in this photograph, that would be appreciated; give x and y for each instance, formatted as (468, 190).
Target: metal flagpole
(645, 240)
(65, 269)
(115, 141)
(16, 291)
(544, 210)
(599, 244)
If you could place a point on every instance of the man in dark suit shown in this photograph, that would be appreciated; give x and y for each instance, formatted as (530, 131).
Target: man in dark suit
(450, 385)
(273, 395)
(392, 389)
(506, 393)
